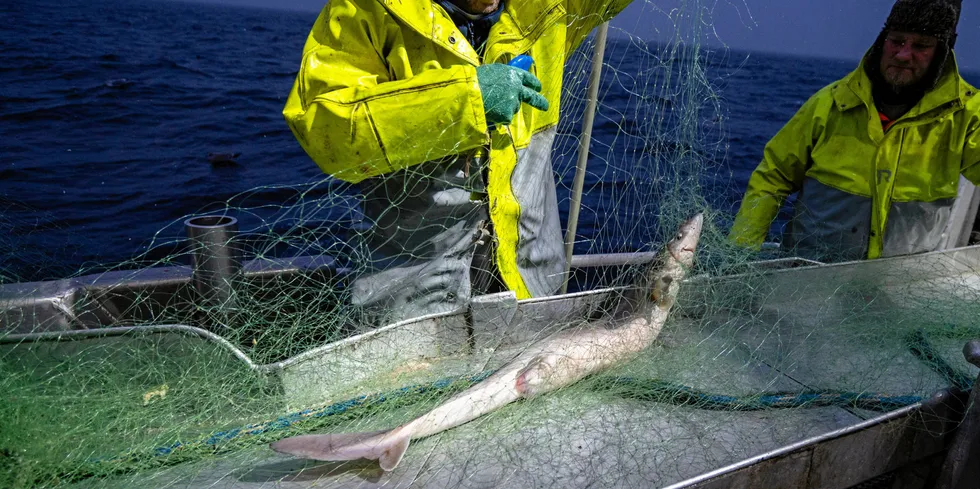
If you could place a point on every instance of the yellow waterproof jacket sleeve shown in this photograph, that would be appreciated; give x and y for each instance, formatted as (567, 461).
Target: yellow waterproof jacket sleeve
(781, 172)
(971, 151)
(349, 115)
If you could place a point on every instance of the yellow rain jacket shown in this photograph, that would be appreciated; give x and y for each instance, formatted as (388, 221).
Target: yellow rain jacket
(385, 85)
(864, 192)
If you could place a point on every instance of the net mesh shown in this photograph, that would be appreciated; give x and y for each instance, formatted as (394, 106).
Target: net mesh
(749, 361)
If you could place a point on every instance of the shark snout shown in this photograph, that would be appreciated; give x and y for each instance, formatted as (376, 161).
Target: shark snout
(689, 234)
(695, 224)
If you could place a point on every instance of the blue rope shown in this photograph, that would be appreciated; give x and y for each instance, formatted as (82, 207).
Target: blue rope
(358, 406)
(287, 421)
(681, 395)
(922, 349)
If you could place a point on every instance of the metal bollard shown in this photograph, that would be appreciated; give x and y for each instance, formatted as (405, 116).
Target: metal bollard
(217, 260)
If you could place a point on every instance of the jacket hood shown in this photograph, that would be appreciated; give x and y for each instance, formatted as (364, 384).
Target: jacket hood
(858, 88)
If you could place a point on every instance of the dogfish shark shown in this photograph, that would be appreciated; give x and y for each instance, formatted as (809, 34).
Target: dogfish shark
(554, 362)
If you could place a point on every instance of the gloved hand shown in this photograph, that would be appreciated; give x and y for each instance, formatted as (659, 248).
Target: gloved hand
(504, 88)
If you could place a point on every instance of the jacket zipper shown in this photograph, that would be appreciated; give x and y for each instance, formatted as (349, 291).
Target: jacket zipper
(882, 217)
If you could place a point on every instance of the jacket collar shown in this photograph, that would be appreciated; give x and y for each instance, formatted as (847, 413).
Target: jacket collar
(521, 21)
(950, 91)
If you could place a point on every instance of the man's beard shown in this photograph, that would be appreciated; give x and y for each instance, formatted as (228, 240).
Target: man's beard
(909, 83)
(903, 80)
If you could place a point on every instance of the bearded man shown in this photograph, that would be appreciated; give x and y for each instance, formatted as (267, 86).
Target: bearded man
(876, 157)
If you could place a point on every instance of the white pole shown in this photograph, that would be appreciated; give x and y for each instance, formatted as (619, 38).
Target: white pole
(583, 148)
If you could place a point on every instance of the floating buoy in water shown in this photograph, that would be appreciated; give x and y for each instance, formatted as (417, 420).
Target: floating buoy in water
(118, 83)
(223, 158)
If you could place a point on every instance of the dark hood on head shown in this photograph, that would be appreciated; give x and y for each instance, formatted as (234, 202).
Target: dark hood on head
(937, 18)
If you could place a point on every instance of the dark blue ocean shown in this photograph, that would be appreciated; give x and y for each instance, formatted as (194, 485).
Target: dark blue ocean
(108, 111)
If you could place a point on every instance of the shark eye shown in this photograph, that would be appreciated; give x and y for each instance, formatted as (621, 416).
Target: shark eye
(679, 236)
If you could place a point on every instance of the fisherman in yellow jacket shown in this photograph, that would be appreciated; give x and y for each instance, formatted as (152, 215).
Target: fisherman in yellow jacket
(414, 101)
(875, 157)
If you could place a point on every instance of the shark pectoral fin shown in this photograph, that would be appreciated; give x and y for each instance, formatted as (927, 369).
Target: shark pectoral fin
(332, 447)
(393, 451)
(533, 376)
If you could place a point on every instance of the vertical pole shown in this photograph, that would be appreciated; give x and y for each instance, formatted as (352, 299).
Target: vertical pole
(583, 148)
(217, 264)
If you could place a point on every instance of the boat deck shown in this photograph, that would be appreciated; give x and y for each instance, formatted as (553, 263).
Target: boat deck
(848, 328)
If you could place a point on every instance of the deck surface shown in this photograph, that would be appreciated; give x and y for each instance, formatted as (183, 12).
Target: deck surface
(839, 329)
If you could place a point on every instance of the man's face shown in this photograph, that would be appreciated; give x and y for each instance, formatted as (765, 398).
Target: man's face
(906, 57)
(477, 6)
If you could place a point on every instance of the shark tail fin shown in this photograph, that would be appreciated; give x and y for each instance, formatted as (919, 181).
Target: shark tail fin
(387, 447)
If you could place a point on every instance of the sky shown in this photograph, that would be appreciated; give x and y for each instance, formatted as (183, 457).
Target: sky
(842, 29)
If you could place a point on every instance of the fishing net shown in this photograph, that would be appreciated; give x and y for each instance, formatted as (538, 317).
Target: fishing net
(137, 375)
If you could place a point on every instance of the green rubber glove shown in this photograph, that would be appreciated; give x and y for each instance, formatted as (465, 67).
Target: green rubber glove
(504, 88)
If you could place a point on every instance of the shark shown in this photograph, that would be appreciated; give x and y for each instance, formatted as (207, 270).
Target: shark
(554, 362)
